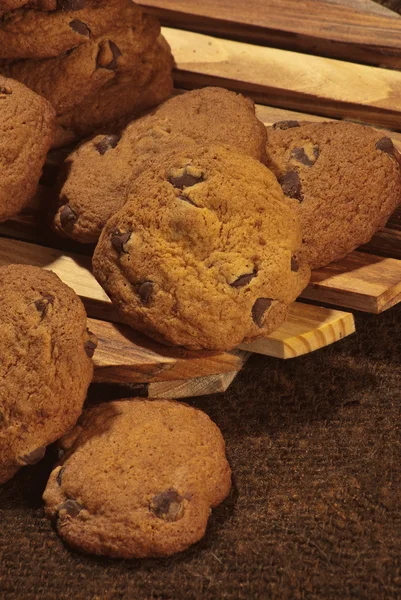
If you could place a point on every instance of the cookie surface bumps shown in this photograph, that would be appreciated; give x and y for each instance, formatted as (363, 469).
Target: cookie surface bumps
(45, 368)
(138, 479)
(27, 124)
(100, 171)
(344, 179)
(32, 34)
(202, 255)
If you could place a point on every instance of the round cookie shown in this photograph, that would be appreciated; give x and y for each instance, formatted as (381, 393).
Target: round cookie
(345, 181)
(204, 253)
(68, 80)
(32, 34)
(9, 5)
(99, 172)
(45, 367)
(27, 124)
(138, 479)
(126, 96)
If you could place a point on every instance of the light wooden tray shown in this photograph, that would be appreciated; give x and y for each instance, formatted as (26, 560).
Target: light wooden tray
(288, 85)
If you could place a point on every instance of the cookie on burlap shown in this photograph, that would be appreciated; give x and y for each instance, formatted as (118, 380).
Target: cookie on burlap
(124, 97)
(27, 124)
(45, 366)
(32, 34)
(204, 253)
(98, 173)
(138, 479)
(345, 180)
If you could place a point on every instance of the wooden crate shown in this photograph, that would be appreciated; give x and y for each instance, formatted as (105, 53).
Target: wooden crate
(292, 62)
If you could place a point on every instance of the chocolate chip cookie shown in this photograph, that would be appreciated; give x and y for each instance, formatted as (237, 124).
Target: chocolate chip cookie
(27, 124)
(97, 175)
(138, 479)
(205, 252)
(33, 34)
(45, 366)
(67, 80)
(344, 179)
(124, 97)
(7, 6)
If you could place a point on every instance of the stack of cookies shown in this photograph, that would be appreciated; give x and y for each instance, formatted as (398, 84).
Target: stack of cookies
(128, 483)
(98, 62)
(207, 224)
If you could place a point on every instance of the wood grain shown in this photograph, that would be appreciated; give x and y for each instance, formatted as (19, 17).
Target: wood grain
(75, 271)
(357, 30)
(201, 386)
(125, 356)
(310, 84)
(360, 281)
(307, 328)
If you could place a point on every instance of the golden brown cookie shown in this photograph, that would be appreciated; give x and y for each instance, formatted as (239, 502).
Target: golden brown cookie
(99, 172)
(345, 181)
(33, 34)
(27, 124)
(67, 80)
(138, 479)
(124, 97)
(45, 366)
(7, 6)
(204, 253)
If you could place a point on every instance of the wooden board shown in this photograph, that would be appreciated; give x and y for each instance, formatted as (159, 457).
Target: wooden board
(307, 328)
(357, 30)
(288, 79)
(360, 281)
(325, 326)
(125, 356)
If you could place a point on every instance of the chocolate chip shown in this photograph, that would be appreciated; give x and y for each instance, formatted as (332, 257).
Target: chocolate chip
(185, 180)
(91, 345)
(186, 199)
(300, 155)
(259, 308)
(294, 264)
(35, 456)
(107, 55)
(6, 91)
(291, 185)
(168, 505)
(60, 475)
(67, 217)
(385, 144)
(145, 291)
(71, 4)
(72, 508)
(118, 240)
(108, 142)
(80, 27)
(243, 280)
(42, 304)
(286, 124)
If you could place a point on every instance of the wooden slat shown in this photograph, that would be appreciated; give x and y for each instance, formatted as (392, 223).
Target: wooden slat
(125, 356)
(288, 79)
(75, 271)
(386, 242)
(214, 384)
(308, 328)
(356, 30)
(360, 281)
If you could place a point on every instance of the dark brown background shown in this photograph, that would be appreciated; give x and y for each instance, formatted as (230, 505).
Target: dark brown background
(314, 444)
